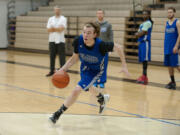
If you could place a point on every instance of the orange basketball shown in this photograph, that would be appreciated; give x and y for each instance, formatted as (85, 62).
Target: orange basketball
(60, 79)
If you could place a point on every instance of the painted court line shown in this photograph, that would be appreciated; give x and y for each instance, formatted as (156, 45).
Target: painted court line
(112, 109)
(154, 84)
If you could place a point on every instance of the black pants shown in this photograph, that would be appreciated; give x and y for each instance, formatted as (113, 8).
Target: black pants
(56, 49)
(145, 65)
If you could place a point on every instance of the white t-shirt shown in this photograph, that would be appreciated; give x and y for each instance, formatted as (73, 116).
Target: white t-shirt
(146, 25)
(56, 22)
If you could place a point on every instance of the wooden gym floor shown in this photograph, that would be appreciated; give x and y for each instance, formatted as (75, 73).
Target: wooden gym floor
(27, 99)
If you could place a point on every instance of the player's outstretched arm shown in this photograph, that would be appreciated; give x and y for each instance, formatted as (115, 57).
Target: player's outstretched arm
(175, 49)
(120, 52)
(71, 61)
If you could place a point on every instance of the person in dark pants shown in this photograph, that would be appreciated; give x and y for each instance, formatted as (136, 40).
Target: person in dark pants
(56, 26)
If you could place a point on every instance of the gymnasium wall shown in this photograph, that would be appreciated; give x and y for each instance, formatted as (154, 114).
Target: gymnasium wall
(21, 7)
(3, 22)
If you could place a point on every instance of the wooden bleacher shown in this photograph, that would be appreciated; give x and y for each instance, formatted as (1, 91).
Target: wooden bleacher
(31, 30)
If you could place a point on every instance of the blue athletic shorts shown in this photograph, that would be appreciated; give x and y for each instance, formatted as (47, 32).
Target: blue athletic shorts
(103, 78)
(88, 78)
(144, 51)
(171, 60)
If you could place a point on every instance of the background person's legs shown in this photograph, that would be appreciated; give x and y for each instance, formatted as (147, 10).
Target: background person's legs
(62, 54)
(52, 52)
(178, 68)
(172, 84)
(171, 71)
(144, 54)
(145, 65)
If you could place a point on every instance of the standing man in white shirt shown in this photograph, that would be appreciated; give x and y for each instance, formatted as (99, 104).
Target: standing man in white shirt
(56, 26)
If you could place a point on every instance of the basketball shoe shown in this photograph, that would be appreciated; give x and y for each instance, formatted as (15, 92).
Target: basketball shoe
(55, 117)
(142, 79)
(49, 74)
(103, 99)
(171, 85)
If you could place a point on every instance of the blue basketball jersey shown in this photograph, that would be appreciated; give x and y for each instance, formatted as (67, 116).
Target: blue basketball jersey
(171, 35)
(90, 59)
(144, 48)
(147, 37)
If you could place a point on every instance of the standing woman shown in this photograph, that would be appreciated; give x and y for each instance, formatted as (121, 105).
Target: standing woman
(144, 40)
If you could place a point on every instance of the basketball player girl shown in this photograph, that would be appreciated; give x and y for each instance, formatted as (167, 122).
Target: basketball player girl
(171, 44)
(91, 52)
(144, 40)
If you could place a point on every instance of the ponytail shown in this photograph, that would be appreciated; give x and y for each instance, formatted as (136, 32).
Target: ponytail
(150, 19)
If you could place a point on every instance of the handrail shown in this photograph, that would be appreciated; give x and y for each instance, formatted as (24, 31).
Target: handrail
(137, 3)
(10, 20)
(11, 9)
(46, 4)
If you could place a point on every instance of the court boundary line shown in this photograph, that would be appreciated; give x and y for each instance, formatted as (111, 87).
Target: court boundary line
(93, 115)
(153, 84)
(90, 115)
(93, 105)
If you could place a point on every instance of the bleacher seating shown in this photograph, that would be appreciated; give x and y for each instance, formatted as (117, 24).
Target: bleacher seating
(31, 30)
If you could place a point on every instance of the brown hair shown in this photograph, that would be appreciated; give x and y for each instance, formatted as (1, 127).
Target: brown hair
(101, 10)
(172, 8)
(95, 25)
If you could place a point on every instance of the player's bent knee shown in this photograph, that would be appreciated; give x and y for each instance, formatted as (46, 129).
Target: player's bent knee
(76, 91)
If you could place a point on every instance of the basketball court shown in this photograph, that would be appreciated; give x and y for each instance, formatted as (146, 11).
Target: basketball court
(28, 98)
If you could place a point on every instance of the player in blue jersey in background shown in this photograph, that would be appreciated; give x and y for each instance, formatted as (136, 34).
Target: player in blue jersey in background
(171, 44)
(91, 52)
(144, 40)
